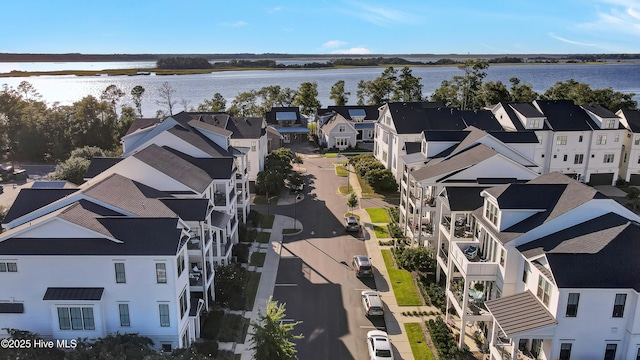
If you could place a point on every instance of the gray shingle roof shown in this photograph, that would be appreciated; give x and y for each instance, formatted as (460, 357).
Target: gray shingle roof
(142, 123)
(70, 293)
(520, 313)
(633, 119)
(175, 167)
(85, 213)
(29, 200)
(457, 162)
(564, 115)
(220, 219)
(371, 111)
(216, 168)
(100, 164)
(464, 198)
(600, 110)
(188, 209)
(599, 253)
(198, 140)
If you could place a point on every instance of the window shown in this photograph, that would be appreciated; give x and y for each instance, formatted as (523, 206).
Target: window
(164, 315)
(124, 315)
(491, 213)
(636, 141)
(503, 254)
(384, 156)
(617, 138)
(161, 273)
(561, 140)
(525, 272)
(76, 318)
(544, 290)
(183, 303)
(535, 123)
(120, 275)
(564, 158)
(342, 128)
(342, 142)
(166, 348)
(618, 305)
(253, 146)
(608, 158)
(578, 159)
(609, 124)
(8, 267)
(601, 139)
(580, 138)
(610, 352)
(540, 139)
(180, 264)
(565, 351)
(385, 137)
(572, 304)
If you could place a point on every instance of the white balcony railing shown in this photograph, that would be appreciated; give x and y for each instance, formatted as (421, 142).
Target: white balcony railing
(475, 266)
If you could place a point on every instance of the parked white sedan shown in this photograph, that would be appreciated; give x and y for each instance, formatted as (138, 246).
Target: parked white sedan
(379, 345)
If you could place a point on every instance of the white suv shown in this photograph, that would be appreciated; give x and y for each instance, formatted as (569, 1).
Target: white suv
(372, 303)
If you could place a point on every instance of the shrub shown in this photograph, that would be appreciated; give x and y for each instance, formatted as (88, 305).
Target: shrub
(443, 339)
(230, 283)
(253, 218)
(415, 258)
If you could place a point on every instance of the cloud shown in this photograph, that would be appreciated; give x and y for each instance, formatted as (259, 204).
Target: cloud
(275, 9)
(334, 44)
(620, 17)
(380, 15)
(353, 51)
(235, 24)
(573, 42)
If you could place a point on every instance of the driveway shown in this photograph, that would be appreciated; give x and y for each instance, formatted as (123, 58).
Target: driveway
(315, 278)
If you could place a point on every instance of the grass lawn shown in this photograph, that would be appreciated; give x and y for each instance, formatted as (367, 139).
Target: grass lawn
(257, 259)
(262, 200)
(402, 283)
(263, 237)
(331, 155)
(341, 171)
(266, 222)
(378, 215)
(419, 347)
(251, 289)
(381, 231)
(290, 231)
(344, 190)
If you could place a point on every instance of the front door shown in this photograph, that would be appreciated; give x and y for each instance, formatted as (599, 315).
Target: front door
(287, 138)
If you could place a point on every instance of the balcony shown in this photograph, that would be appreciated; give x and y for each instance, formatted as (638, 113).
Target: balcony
(472, 265)
(429, 202)
(446, 222)
(219, 199)
(443, 255)
(224, 249)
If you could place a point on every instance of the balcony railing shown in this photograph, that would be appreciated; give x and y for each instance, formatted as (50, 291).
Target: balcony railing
(446, 221)
(219, 199)
(472, 265)
(444, 255)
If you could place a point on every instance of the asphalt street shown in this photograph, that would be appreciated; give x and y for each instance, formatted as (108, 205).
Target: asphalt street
(315, 278)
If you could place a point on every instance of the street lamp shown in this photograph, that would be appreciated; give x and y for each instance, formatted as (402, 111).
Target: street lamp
(295, 205)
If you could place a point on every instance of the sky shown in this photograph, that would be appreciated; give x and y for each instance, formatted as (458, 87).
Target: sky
(320, 27)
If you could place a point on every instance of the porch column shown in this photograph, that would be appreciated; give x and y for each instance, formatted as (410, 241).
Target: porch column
(437, 271)
(465, 302)
(420, 203)
(514, 348)
(448, 290)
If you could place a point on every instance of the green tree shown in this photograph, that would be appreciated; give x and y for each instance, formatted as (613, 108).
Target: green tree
(271, 338)
(216, 103)
(127, 115)
(166, 97)
(277, 167)
(92, 123)
(352, 201)
(114, 346)
(408, 87)
(633, 195)
(463, 91)
(72, 170)
(275, 96)
(379, 90)
(136, 95)
(307, 97)
(494, 92)
(245, 105)
(582, 94)
(88, 152)
(521, 92)
(11, 353)
(338, 95)
(112, 94)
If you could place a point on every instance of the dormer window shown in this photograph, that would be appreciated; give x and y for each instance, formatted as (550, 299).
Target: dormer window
(534, 123)
(491, 213)
(609, 124)
(424, 147)
(342, 128)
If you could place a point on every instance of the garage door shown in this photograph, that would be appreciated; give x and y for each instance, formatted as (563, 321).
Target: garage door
(601, 179)
(634, 179)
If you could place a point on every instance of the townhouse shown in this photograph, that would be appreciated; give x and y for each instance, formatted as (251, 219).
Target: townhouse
(287, 125)
(548, 271)
(584, 142)
(630, 164)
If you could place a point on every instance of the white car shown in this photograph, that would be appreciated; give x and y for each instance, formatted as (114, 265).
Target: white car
(379, 345)
(371, 303)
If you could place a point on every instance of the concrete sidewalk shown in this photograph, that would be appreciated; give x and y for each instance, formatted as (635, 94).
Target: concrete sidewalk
(267, 279)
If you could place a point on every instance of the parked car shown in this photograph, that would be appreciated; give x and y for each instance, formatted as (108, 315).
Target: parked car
(372, 303)
(379, 345)
(362, 266)
(351, 223)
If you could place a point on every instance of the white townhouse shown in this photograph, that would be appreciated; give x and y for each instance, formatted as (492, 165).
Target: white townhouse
(113, 255)
(401, 123)
(469, 158)
(200, 136)
(583, 142)
(548, 272)
(630, 164)
(337, 132)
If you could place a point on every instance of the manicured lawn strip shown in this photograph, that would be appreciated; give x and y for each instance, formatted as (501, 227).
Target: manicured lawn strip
(266, 222)
(290, 231)
(263, 237)
(378, 215)
(334, 155)
(402, 283)
(251, 290)
(419, 347)
(262, 200)
(341, 171)
(381, 232)
(257, 259)
(344, 191)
